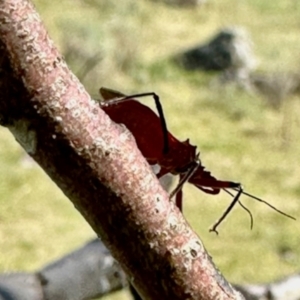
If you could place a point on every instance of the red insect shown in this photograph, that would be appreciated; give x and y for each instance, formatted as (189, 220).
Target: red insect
(160, 147)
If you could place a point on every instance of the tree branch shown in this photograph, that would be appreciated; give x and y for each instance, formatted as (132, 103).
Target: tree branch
(97, 165)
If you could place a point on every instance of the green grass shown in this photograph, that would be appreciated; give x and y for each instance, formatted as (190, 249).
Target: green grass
(239, 136)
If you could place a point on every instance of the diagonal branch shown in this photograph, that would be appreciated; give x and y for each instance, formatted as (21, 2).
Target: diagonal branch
(97, 165)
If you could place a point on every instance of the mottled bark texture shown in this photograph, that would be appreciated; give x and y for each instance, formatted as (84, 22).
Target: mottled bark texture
(97, 165)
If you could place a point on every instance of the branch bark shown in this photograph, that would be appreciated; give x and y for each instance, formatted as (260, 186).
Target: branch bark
(97, 165)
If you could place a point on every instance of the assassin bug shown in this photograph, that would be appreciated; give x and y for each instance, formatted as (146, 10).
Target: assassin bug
(160, 147)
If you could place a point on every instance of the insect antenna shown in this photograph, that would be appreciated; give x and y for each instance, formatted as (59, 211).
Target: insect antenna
(268, 204)
(244, 207)
(249, 212)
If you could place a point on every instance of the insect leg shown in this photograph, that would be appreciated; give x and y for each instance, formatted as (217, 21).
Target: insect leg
(227, 211)
(178, 200)
(184, 178)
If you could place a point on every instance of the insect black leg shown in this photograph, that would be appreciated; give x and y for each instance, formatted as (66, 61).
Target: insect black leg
(227, 211)
(182, 180)
(178, 200)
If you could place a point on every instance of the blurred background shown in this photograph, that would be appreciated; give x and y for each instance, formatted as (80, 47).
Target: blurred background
(243, 117)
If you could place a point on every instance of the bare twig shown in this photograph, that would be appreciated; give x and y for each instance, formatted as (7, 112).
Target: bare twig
(97, 165)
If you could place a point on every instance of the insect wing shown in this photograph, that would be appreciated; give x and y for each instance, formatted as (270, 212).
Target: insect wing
(143, 123)
(109, 94)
